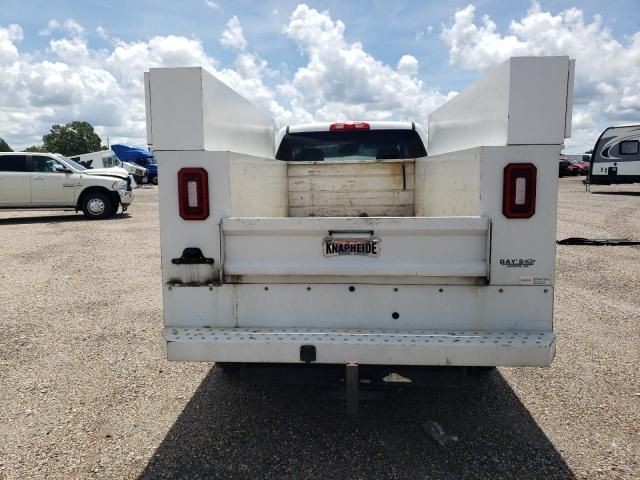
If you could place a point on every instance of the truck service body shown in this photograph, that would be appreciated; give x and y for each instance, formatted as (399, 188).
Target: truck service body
(384, 258)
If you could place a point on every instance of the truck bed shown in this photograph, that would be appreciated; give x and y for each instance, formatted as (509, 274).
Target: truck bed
(352, 188)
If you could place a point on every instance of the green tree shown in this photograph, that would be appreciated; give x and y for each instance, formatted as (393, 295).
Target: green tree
(74, 138)
(589, 152)
(35, 148)
(4, 146)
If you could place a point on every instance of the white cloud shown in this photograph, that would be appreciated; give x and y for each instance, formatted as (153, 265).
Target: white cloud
(233, 37)
(70, 26)
(343, 81)
(71, 80)
(70, 50)
(8, 38)
(52, 26)
(211, 4)
(338, 79)
(102, 32)
(73, 27)
(105, 87)
(408, 65)
(607, 71)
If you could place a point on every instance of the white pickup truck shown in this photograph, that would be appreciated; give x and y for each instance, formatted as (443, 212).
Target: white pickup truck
(52, 181)
(349, 245)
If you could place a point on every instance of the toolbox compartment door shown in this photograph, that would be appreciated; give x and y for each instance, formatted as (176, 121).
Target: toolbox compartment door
(308, 249)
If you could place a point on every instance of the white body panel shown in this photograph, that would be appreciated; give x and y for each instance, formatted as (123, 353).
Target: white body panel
(238, 185)
(53, 188)
(189, 109)
(469, 182)
(15, 189)
(455, 281)
(524, 101)
(367, 306)
(410, 247)
(624, 169)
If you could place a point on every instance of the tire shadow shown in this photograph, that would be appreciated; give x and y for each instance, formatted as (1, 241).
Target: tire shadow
(630, 194)
(235, 430)
(79, 217)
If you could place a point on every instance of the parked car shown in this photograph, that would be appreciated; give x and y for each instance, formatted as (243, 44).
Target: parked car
(567, 169)
(53, 181)
(581, 168)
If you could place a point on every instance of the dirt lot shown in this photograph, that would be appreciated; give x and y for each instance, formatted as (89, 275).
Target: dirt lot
(86, 392)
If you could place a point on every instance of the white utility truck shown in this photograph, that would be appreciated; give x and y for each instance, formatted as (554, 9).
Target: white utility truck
(108, 159)
(353, 253)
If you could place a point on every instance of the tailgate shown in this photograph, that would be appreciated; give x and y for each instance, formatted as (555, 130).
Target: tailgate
(308, 249)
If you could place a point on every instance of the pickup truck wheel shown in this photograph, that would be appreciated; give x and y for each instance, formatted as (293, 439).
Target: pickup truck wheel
(154, 179)
(97, 205)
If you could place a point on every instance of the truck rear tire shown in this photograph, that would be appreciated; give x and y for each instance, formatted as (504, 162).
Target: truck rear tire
(154, 179)
(97, 206)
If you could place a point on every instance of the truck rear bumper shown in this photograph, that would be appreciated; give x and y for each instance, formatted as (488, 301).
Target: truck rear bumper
(366, 347)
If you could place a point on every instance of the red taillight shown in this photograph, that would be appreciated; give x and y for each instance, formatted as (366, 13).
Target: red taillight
(193, 193)
(349, 126)
(519, 190)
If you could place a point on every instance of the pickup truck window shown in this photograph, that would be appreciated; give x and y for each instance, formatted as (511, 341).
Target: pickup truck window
(351, 145)
(43, 164)
(73, 164)
(13, 163)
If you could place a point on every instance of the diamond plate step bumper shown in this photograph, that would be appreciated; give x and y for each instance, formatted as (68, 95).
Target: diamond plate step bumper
(366, 347)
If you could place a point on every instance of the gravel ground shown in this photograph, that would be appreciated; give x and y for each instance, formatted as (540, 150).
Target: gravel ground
(86, 392)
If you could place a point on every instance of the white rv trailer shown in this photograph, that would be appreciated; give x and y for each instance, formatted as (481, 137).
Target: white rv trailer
(616, 156)
(463, 272)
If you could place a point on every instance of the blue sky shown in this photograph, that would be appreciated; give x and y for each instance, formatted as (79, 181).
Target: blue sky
(447, 46)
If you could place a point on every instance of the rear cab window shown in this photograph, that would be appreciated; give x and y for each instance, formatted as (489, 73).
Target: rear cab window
(375, 144)
(13, 163)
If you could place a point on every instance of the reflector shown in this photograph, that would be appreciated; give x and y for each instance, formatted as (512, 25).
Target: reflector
(519, 190)
(193, 193)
